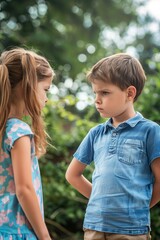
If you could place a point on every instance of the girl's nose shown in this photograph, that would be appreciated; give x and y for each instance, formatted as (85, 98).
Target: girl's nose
(46, 100)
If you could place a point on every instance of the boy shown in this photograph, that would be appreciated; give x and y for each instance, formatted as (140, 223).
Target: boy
(126, 153)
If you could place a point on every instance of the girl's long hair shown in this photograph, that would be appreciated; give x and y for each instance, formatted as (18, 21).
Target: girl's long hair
(29, 68)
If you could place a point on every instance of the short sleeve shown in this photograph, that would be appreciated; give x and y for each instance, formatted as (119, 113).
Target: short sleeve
(85, 151)
(16, 130)
(153, 143)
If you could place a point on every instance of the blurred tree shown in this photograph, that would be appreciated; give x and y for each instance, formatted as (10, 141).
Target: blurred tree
(74, 35)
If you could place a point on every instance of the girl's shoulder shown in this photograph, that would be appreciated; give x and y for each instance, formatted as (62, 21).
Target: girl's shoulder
(15, 125)
(16, 128)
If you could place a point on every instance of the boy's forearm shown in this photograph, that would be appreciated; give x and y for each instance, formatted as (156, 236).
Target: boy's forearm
(82, 185)
(155, 194)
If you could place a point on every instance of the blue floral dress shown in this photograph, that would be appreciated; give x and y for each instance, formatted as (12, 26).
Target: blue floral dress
(13, 222)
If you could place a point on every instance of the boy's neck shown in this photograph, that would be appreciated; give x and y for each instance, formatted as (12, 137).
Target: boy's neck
(122, 118)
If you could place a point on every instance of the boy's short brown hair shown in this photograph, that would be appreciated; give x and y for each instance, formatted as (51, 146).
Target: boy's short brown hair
(120, 69)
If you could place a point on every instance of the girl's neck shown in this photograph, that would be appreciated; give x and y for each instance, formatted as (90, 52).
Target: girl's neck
(15, 116)
(15, 113)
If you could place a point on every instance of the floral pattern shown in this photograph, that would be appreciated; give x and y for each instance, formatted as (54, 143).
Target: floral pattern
(13, 222)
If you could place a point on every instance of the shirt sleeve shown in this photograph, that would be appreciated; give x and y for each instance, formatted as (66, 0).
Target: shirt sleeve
(85, 151)
(153, 143)
(16, 131)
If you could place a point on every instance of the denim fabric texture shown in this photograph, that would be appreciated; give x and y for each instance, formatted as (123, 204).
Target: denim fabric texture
(122, 179)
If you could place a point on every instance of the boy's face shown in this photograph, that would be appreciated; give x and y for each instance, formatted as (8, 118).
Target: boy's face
(111, 101)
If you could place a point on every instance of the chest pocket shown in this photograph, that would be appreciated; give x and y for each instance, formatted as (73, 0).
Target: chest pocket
(130, 155)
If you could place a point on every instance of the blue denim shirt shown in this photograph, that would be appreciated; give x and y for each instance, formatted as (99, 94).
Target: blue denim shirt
(122, 179)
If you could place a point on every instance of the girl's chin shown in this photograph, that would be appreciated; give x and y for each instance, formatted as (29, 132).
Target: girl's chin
(25, 114)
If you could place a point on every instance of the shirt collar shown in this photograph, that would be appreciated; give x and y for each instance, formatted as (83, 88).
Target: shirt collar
(132, 122)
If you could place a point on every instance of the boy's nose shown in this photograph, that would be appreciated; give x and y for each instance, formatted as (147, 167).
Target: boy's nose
(97, 100)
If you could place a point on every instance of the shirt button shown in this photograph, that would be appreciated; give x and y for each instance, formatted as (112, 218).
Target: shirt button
(114, 134)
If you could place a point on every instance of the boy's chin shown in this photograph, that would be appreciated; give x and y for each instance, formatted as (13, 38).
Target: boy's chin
(104, 115)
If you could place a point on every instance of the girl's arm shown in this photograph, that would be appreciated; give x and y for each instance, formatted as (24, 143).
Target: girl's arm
(156, 186)
(74, 176)
(21, 161)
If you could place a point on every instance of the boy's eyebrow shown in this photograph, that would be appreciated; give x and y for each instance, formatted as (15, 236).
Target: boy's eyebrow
(102, 90)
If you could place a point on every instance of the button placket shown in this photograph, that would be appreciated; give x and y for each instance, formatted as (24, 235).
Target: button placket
(113, 143)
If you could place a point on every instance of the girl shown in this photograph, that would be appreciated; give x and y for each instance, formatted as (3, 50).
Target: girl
(25, 78)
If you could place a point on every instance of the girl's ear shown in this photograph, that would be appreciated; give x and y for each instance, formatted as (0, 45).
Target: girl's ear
(131, 93)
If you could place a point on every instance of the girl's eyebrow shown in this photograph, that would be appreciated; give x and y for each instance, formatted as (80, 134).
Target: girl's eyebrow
(48, 86)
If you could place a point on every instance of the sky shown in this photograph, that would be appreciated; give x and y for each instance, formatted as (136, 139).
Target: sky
(152, 7)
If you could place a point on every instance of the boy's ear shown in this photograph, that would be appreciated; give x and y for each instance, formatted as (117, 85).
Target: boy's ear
(131, 92)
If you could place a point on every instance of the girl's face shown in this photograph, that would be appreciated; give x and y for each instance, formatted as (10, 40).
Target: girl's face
(43, 88)
(111, 101)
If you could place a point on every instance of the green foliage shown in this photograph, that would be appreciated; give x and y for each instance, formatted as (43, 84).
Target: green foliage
(66, 128)
(155, 223)
(64, 207)
(74, 35)
(149, 103)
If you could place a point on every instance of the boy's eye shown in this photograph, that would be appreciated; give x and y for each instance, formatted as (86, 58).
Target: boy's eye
(105, 93)
(102, 93)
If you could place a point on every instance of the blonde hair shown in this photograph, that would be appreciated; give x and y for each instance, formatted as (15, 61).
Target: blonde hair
(25, 66)
(120, 69)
